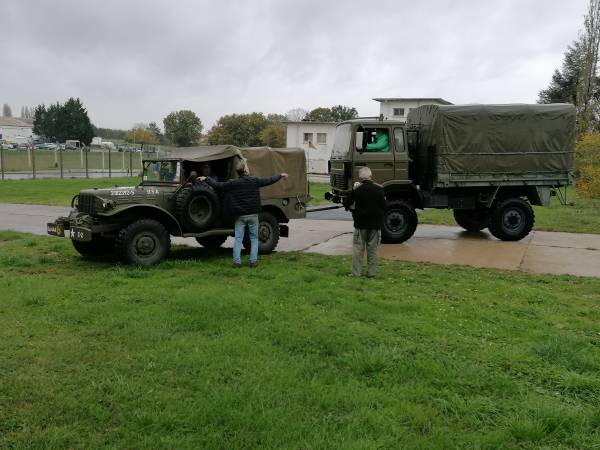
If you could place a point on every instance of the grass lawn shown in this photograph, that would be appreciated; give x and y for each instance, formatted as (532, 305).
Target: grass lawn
(294, 354)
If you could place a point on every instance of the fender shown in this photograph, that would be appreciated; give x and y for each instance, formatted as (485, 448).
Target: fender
(405, 189)
(165, 217)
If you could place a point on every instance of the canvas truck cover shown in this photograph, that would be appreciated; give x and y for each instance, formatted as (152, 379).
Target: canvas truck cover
(262, 161)
(497, 139)
(265, 161)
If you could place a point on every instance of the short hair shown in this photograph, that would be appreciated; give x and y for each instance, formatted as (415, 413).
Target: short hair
(241, 169)
(365, 173)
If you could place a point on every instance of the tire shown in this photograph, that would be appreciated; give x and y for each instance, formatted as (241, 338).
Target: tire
(197, 208)
(399, 222)
(211, 241)
(144, 242)
(96, 247)
(511, 219)
(472, 220)
(268, 234)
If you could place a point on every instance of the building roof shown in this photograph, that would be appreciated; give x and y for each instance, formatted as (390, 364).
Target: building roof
(13, 122)
(412, 99)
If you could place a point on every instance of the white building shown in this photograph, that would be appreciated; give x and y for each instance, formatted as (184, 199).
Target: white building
(316, 138)
(17, 131)
(398, 108)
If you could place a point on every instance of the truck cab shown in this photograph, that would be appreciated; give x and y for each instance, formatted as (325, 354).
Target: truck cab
(351, 151)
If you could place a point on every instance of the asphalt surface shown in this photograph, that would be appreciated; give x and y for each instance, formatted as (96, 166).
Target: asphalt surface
(330, 233)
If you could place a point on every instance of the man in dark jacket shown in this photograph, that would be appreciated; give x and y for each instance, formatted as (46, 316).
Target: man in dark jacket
(242, 201)
(367, 202)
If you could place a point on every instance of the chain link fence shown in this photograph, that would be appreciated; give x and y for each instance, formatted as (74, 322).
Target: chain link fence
(80, 163)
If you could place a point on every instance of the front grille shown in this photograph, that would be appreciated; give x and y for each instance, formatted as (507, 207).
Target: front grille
(339, 181)
(87, 203)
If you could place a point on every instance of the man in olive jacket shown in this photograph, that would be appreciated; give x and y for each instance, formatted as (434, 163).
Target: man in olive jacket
(242, 201)
(367, 203)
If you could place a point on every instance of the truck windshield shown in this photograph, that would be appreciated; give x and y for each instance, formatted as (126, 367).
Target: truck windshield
(341, 145)
(162, 171)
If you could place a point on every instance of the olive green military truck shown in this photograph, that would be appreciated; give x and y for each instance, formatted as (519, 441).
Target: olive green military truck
(136, 222)
(488, 163)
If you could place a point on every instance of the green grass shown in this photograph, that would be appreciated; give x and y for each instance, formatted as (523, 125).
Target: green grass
(55, 192)
(294, 354)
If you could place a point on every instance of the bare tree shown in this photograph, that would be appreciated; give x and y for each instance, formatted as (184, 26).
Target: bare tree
(296, 114)
(587, 104)
(6, 111)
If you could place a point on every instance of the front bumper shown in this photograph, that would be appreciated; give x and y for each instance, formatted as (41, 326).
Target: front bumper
(78, 224)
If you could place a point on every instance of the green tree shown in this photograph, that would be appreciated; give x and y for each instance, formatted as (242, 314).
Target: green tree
(273, 135)
(337, 113)
(239, 129)
(142, 134)
(110, 133)
(320, 114)
(340, 113)
(61, 122)
(182, 128)
(577, 80)
(157, 133)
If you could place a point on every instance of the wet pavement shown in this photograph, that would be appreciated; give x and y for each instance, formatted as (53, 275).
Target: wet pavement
(330, 233)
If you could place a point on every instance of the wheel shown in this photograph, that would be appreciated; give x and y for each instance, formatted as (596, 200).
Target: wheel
(471, 219)
(197, 208)
(144, 242)
(511, 219)
(97, 246)
(211, 241)
(268, 233)
(399, 222)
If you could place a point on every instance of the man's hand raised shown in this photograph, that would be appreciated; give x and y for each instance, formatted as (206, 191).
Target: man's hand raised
(284, 175)
(201, 179)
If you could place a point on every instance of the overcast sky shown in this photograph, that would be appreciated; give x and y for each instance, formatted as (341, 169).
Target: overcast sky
(136, 61)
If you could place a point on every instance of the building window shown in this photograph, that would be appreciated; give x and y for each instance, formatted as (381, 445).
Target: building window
(321, 138)
(308, 138)
(399, 112)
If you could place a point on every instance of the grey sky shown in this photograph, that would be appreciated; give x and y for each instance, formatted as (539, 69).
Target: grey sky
(136, 61)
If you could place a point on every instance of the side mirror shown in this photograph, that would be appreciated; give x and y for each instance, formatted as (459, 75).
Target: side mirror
(359, 141)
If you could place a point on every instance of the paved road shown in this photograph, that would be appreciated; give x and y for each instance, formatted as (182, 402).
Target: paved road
(330, 233)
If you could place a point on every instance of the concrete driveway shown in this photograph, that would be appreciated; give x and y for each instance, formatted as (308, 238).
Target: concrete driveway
(330, 233)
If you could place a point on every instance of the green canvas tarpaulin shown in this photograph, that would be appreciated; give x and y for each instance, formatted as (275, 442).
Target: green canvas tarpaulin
(262, 161)
(496, 139)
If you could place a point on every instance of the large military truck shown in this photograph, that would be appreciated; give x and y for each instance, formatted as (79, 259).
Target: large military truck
(136, 222)
(488, 163)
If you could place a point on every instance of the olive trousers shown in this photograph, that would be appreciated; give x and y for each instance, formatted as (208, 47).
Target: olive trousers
(369, 240)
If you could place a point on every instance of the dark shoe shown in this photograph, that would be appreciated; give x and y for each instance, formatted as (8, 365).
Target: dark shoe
(254, 265)
(236, 265)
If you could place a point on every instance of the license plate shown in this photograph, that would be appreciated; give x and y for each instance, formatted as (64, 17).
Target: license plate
(81, 234)
(55, 229)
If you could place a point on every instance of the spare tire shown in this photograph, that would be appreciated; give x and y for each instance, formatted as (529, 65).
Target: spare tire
(197, 208)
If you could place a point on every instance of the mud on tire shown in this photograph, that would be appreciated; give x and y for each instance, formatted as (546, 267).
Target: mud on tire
(143, 242)
(197, 208)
